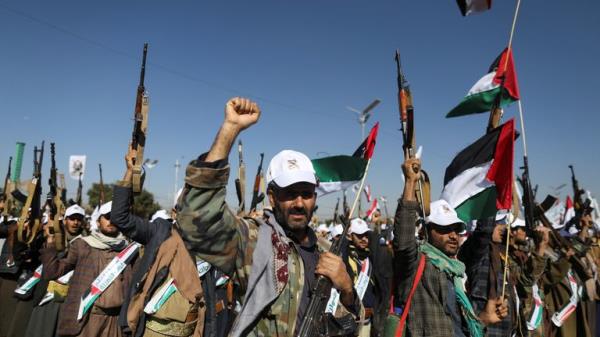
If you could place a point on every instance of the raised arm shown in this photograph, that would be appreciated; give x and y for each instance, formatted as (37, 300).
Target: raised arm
(130, 225)
(404, 243)
(55, 267)
(210, 229)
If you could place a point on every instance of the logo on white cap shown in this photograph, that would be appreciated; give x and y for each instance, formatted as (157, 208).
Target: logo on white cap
(442, 214)
(289, 167)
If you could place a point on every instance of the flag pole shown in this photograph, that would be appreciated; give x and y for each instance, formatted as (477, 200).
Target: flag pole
(510, 39)
(512, 29)
(362, 185)
(505, 274)
(496, 112)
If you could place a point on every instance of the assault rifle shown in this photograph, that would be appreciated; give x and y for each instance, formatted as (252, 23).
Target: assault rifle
(57, 206)
(528, 198)
(559, 242)
(257, 196)
(33, 202)
(577, 192)
(316, 322)
(7, 197)
(140, 124)
(240, 182)
(335, 212)
(101, 197)
(79, 191)
(407, 127)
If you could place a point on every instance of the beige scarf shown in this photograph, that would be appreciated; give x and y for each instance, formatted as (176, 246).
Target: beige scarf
(100, 241)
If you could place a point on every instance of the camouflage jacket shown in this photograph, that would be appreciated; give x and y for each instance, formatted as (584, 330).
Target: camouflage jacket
(213, 233)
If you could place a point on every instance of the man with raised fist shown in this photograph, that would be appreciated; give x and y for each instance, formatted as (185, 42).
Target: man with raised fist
(273, 258)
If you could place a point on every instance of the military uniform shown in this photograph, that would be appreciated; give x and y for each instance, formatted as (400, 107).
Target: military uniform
(270, 268)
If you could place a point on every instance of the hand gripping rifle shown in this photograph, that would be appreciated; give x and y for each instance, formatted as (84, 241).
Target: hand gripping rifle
(257, 196)
(140, 124)
(240, 182)
(33, 201)
(559, 242)
(407, 127)
(57, 207)
(7, 196)
(316, 322)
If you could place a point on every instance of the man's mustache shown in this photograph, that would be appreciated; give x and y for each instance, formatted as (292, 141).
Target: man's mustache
(298, 211)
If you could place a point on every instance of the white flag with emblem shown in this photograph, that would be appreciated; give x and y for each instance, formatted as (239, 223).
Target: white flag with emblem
(77, 166)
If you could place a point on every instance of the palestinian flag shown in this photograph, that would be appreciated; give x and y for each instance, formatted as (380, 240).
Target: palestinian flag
(479, 181)
(499, 86)
(468, 7)
(337, 173)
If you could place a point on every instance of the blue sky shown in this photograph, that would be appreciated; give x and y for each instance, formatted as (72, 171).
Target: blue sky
(69, 72)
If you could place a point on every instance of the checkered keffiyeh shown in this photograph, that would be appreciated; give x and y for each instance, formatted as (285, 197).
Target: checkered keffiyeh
(280, 251)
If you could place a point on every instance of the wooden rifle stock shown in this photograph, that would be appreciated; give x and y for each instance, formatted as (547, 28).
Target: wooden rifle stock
(140, 125)
(34, 189)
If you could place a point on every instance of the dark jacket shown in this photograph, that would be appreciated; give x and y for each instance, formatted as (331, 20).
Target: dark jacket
(151, 235)
(484, 268)
(383, 274)
(381, 260)
(428, 315)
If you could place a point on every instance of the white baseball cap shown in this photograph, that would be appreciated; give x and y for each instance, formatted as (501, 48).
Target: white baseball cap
(289, 167)
(323, 228)
(160, 214)
(74, 209)
(105, 208)
(337, 230)
(358, 226)
(517, 223)
(442, 214)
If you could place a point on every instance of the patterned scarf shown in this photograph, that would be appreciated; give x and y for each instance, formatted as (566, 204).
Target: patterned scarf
(455, 269)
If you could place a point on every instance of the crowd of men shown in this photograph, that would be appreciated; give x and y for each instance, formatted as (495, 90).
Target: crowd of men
(204, 270)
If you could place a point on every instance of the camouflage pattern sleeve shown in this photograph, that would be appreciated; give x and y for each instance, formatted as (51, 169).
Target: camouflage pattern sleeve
(210, 229)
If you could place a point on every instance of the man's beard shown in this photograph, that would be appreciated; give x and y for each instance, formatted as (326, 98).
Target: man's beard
(282, 218)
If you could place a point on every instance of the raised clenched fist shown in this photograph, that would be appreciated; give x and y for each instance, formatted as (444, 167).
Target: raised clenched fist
(412, 169)
(241, 113)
